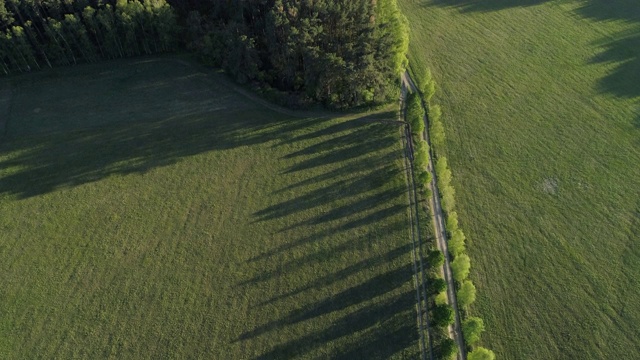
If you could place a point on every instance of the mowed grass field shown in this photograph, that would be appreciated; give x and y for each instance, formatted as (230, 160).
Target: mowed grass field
(541, 103)
(150, 210)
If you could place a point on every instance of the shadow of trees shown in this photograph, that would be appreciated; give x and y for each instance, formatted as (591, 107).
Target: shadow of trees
(359, 195)
(486, 5)
(130, 119)
(622, 48)
(37, 165)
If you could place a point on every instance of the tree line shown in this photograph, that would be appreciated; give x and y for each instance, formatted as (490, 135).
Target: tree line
(339, 52)
(418, 105)
(46, 33)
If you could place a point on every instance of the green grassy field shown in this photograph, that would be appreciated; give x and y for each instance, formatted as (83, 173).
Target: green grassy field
(541, 104)
(149, 210)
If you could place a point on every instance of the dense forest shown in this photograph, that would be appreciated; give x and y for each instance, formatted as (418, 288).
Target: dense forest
(338, 52)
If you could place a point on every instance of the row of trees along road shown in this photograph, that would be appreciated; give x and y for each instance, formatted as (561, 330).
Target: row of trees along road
(46, 33)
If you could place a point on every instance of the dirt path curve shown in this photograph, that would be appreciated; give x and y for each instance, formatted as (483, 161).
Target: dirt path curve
(254, 97)
(455, 330)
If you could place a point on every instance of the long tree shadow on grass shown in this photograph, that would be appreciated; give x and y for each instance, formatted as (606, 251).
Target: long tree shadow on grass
(622, 49)
(37, 165)
(484, 5)
(356, 243)
(383, 322)
(386, 334)
(135, 118)
(348, 195)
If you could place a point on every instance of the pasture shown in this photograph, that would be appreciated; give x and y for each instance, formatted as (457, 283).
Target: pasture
(149, 209)
(541, 103)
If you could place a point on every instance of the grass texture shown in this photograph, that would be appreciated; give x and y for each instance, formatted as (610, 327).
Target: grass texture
(150, 210)
(541, 104)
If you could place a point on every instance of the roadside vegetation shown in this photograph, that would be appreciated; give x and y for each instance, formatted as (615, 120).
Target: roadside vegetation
(541, 119)
(157, 212)
(421, 109)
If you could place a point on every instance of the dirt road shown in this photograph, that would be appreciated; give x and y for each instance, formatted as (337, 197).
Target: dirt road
(455, 330)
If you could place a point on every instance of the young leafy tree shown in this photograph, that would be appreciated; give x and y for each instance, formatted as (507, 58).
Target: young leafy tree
(436, 286)
(481, 353)
(447, 349)
(472, 328)
(466, 294)
(106, 18)
(443, 172)
(448, 198)
(421, 155)
(452, 222)
(166, 25)
(429, 90)
(425, 177)
(415, 113)
(435, 259)
(77, 33)
(436, 128)
(58, 34)
(456, 243)
(460, 267)
(442, 316)
(24, 49)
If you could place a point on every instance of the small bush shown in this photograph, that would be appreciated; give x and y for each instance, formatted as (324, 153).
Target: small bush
(435, 259)
(441, 298)
(421, 158)
(448, 198)
(481, 354)
(427, 192)
(436, 286)
(466, 294)
(419, 144)
(472, 328)
(415, 113)
(436, 131)
(443, 172)
(425, 80)
(441, 165)
(452, 222)
(447, 349)
(460, 267)
(435, 112)
(425, 177)
(442, 315)
(429, 91)
(417, 124)
(456, 243)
